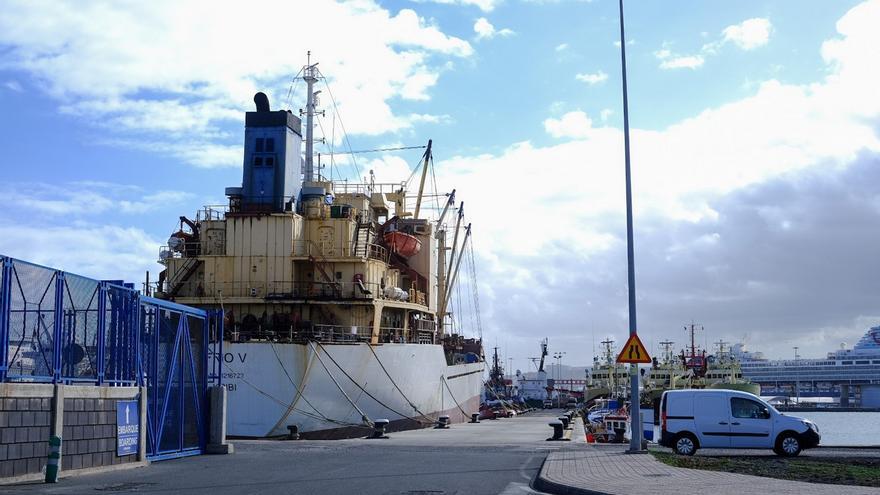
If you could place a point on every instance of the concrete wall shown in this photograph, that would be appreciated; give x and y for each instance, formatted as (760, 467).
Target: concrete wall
(25, 423)
(84, 416)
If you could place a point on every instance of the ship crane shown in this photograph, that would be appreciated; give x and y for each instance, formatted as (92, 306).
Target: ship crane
(543, 354)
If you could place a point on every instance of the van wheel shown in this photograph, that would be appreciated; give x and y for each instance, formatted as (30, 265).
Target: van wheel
(684, 444)
(787, 445)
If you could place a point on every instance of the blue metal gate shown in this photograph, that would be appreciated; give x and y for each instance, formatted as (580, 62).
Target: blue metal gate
(57, 327)
(176, 342)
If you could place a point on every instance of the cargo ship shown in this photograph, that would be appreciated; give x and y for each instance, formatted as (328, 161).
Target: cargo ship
(336, 294)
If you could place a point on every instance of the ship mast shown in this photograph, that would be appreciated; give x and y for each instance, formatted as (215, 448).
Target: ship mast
(310, 76)
(441, 263)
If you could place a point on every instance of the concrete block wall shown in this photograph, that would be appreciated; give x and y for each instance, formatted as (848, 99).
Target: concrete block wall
(24, 433)
(89, 434)
(84, 416)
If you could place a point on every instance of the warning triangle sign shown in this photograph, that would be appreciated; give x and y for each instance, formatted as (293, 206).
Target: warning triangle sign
(633, 351)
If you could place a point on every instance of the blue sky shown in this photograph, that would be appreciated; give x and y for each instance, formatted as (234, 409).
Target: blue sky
(118, 117)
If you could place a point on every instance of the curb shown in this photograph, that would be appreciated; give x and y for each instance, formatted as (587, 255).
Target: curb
(544, 485)
(70, 473)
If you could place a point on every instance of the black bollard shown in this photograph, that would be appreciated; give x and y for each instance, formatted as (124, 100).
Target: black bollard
(379, 429)
(475, 417)
(292, 432)
(557, 431)
(442, 423)
(564, 420)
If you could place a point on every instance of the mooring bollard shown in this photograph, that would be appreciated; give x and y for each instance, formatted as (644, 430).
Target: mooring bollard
(564, 421)
(475, 417)
(442, 423)
(292, 432)
(379, 429)
(557, 430)
(54, 457)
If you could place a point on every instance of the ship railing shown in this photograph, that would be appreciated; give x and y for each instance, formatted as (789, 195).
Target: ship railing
(305, 248)
(291, 290)
(298, 333)
(363, 188)
(182, 250)
(211, 212)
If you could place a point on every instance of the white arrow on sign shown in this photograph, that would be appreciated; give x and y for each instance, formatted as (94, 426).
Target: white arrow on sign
(126, 414)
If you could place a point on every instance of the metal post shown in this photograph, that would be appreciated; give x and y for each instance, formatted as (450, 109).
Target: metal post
(5, 291)
(58, 327)
(102, 329)
(635, 443)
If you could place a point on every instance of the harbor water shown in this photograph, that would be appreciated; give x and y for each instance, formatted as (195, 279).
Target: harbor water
(845, 428)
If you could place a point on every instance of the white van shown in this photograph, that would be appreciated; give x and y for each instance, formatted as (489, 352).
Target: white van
(728, 419)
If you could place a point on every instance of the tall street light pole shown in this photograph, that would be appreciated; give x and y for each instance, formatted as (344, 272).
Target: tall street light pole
(635, 442)
(797, 376)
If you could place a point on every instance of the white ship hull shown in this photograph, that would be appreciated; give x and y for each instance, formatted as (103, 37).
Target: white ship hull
(272, 386)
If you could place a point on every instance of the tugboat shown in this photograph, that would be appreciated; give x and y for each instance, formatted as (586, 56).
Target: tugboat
(336, 294)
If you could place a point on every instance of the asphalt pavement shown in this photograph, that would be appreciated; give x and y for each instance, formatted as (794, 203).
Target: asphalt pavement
(492, 457)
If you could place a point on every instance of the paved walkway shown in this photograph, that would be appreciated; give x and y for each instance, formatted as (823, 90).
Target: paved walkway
(610, 470)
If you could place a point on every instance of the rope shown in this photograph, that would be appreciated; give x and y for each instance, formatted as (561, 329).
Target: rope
(341, 124)
(377, 150)
(453, 396)
(386, 406)
(298, 390)
(394, 383)
(364, 416)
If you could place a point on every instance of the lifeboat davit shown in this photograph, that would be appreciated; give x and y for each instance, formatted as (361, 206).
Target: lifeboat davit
(403, 244)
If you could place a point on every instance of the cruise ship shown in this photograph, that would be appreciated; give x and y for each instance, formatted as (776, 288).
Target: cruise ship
(853, 374)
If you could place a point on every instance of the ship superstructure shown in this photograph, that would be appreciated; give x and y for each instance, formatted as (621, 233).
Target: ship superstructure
(336, 295)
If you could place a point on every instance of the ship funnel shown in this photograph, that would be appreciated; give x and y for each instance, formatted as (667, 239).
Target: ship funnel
(262, 102)
(272, 149)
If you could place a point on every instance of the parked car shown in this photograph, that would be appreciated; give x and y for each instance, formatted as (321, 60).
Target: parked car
(548, 404)
(728, 419)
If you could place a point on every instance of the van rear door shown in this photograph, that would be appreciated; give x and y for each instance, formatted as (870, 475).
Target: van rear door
(712, 419)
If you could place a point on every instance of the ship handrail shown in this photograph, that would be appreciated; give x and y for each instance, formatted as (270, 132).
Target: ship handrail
(282, 290)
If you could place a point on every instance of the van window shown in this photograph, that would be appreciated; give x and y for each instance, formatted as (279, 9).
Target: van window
(745, 408)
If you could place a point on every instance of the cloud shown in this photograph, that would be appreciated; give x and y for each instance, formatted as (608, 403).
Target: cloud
(571, 125)
(670, 60)
(485, 30)
(484, 5)
(13, 86)
(83, 199)
(591, 79)
(749, 34)
(561, 47)
(748, 216)
(605, 114)
(96, 251)
(683, 62)
(148, 74)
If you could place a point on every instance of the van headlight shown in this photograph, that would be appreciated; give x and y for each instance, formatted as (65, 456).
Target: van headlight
(812, 426)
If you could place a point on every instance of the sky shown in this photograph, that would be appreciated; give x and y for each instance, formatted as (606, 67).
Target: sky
(755, 140)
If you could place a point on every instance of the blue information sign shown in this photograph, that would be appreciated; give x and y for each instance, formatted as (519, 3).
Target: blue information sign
(127, 427)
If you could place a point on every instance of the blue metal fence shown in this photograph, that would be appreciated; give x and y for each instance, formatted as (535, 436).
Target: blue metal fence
(57, 327)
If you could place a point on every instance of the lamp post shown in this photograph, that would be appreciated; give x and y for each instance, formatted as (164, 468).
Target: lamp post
(635, 443)
(797, 376)
(558, 356)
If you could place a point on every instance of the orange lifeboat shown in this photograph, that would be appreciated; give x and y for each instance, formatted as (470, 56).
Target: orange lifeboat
(403, 244)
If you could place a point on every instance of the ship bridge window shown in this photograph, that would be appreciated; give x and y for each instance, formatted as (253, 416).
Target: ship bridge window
(270, 145)
(863, 362)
